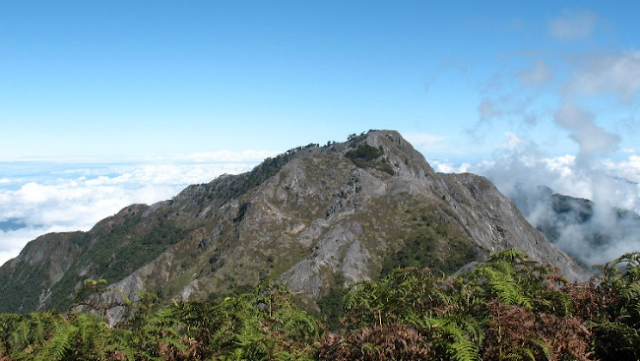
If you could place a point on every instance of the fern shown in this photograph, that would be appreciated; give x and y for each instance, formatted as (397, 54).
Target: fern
(616, 340)
(60, 344)
(461, 338)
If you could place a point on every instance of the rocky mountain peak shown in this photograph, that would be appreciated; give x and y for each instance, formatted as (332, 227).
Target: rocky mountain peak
(315, 217)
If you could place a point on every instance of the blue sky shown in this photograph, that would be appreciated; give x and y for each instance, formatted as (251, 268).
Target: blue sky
(97, 88)
(160, 78)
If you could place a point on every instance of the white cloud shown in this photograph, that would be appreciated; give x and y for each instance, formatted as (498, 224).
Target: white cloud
(512, 140)
(561, 164)
(617, 74)
(573, 25)
(12, 242)
(590, 137)
(449, 167)
(574, 97)
(627, 169)
(608, 183)
(540, 73)
(73, 198)
(424, 141)
(508, 107)
(229, 156)
(488, 110)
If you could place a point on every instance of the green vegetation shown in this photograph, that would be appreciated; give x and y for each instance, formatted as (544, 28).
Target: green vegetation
(431, 242)
(23, 289)
(133, 251)
(112, 250)
(508, 308)
(242, 211)
(363, 153)
(332, 304)
(421, 251)
(142, 250)
(260, 325)
(247, 181)
(366, 156)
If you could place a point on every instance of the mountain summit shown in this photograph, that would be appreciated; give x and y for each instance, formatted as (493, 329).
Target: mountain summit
(314, 217)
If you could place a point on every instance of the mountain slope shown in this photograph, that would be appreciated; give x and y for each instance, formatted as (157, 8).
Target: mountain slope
(314, 217)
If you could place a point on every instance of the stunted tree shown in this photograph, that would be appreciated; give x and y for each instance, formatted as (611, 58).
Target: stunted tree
(95, 296)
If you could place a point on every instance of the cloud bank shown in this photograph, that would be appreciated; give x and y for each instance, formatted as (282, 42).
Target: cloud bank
(520, 166)
(72, 197)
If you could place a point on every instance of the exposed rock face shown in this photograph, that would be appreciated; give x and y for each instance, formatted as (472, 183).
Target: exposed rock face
(481, 210)
(315, 217)
(24, 280)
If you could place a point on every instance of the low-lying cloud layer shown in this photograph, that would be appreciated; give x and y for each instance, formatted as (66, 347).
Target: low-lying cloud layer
(73, 197)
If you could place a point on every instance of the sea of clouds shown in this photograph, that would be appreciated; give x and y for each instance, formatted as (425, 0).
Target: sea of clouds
(40, 197)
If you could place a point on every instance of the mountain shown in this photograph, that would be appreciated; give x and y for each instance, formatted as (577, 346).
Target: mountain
(589, 232)
(314, 217)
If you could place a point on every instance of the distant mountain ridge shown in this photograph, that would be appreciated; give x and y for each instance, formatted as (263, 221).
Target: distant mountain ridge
(315, 217)
(577, 225)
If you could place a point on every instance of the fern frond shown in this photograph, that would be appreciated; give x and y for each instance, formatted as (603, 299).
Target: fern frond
(544, 348)
(464, 335)
(58, 345)
(463, 349)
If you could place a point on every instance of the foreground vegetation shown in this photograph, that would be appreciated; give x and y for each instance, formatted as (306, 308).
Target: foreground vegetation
(509, 308)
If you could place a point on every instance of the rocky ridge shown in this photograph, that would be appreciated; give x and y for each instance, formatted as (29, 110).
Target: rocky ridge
(314, 217)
